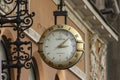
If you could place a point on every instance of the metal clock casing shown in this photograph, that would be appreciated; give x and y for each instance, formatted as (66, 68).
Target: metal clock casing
(61, 46)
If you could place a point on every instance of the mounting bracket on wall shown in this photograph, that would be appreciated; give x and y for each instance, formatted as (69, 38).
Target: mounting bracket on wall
(60, 12)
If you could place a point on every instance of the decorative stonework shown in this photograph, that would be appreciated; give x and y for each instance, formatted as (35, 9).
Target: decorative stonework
(98, 59)
(94, 59)
(102, 54)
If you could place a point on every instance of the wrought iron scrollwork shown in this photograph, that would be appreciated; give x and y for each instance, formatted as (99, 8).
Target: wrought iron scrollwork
(18, 15)
(8, 1)
(19, 52)
(5, 75)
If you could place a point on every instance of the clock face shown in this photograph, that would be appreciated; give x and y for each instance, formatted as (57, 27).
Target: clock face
(61, 46)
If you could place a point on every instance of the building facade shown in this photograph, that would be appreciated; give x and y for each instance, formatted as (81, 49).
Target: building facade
(86, 19)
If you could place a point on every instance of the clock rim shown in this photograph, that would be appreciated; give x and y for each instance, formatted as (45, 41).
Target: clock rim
(77, 55)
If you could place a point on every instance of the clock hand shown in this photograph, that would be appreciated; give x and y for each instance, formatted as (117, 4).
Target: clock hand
(61, 45)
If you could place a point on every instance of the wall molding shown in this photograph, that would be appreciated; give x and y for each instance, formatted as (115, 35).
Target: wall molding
(78, 72)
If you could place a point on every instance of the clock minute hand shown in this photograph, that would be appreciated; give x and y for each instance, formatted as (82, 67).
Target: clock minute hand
(61, 45)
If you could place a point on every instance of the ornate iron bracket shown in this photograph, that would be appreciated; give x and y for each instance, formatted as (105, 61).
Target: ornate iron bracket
(19, 52)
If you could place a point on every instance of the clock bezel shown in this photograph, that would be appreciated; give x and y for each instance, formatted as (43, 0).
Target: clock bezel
(77, 55)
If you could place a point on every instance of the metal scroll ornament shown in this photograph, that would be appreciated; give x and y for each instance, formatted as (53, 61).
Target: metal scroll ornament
(19, 52)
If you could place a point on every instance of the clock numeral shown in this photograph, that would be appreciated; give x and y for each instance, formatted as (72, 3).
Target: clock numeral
(66, 33)
(40, 50)
(60, 26)
(70, 63)
(48, 39)
(48, 53)
(80, 41)
(50, 63)
(77, 35)
(50, 29)
(46, 46)
(60, 65)
(69, 28)
(43, 56)
(76, 55)
(53, 58)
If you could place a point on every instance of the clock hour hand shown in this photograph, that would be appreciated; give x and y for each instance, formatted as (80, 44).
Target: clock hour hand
(62, 44)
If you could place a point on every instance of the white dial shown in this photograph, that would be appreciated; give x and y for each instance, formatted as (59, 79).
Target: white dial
(59, 46)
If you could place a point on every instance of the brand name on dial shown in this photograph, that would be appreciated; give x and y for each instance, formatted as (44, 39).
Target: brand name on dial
(60, 39)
